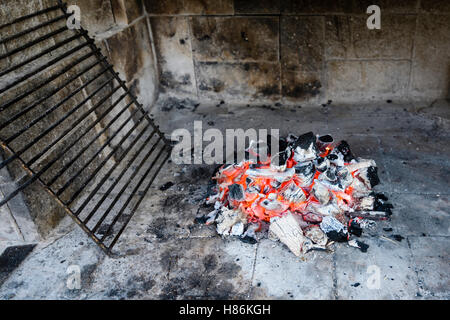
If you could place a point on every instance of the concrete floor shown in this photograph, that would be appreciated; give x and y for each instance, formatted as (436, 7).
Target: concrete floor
(163, 254)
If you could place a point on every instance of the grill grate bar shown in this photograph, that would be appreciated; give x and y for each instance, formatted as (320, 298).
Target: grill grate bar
(32, 43)
(40, 136)
(47, 81)
(86, 131)
(122, 191)
(55, 107)
(29, 30)
(107, 175)
(141, 197)
(29, 16)
(41, 54)
(52, 93)
(98, 135)
(45, 66)
(130, 197)
(99, 150)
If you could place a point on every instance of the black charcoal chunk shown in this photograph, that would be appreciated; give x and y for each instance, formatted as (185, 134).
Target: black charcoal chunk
(344, 148)
(236, 192)
(397, 237)
(305, 141)
(166, 186)
(248, 239)
(305, 170)
(340, 236)
(355, 228)
(362, 246)
(372, 174)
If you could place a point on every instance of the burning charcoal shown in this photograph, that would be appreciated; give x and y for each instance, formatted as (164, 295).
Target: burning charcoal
(374, 215)
(329, 210)
(293, 193)
(330, 179)
(366, 203)
(237, 229)
(211, 217)
(227, 219)
(358, 244)
(306, 185)
(372, 174)
(275, 184)
(316, 235)
(360, 164)
(288, 230)
(345, 177)
(258, 150)
(305, 172)
(268, 173)
(312, 217)
(324, 142)
(305, 147)
(236, 192)
(321, 193)
(278, 161)
(334, 230)
(291, 138)
(322, 164)
(336, 158)
(249, 235)
(354, 227)
(330, 174)
(282, 144)
(381, 204)
(344, 149)
(273, 205)
(369, 176)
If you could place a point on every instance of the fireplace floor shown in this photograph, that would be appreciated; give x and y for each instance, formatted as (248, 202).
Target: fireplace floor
(164, 255)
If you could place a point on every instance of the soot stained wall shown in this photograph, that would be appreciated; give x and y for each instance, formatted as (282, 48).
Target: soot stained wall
(301, 50)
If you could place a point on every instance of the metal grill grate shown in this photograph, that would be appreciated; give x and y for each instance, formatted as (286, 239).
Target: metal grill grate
(73, 125)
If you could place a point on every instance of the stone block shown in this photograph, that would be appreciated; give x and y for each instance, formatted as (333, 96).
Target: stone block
(393, 40)
(338, 40)
(390, 263)
(420, 215)
(235, 39)
(301, 86)
(138, 54)
(302, 43)
(256, 7)
(348, 37)
(435, 6)
(235, 81)
(281, 275)
(367, 80)
(430, 255)
(387, 6)
(96, 16)
(125, 12)
(316, 7)
(174, 54)
(431, 61)
(191, 7)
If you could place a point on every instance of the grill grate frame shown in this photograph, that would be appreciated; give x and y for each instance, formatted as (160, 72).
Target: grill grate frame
(101, 183)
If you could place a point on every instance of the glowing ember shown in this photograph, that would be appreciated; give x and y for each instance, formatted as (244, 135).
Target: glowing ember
(317, 183)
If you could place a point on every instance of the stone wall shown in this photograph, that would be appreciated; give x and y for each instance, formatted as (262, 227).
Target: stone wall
(301, 51)
(121, 28)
